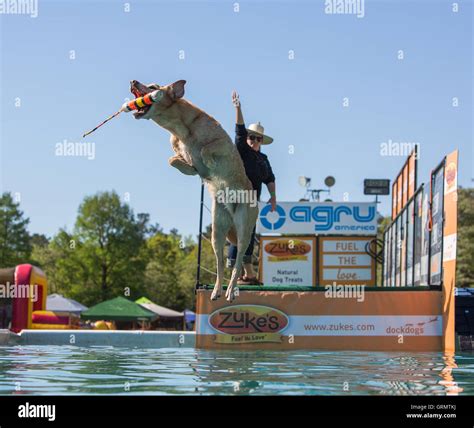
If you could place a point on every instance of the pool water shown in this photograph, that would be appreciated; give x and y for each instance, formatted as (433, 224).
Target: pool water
(60, 370)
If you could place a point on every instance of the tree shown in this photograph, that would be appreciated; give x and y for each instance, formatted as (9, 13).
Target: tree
(15, 247)
(39, 249)
(104, 255)
(170, 276)
(162, 276)
(60, 263)
(465, 244)
(187, 276)
(110, 242)
(39, 240)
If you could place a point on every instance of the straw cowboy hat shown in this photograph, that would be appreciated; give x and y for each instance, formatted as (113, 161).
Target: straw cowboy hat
(258, 129)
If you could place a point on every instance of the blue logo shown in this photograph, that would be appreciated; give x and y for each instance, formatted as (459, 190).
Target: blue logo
(272, 226)
(326, 217)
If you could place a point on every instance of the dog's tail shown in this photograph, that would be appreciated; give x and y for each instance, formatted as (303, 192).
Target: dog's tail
(232, 236)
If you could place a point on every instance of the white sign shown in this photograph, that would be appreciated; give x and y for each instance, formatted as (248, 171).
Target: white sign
(344, 260)
(345, 274)
(325, 218)
(347, 260)
(288, 261)
(345, 246)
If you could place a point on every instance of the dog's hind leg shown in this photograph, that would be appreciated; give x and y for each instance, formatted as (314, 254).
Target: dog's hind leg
(244, 221)
(221, 222)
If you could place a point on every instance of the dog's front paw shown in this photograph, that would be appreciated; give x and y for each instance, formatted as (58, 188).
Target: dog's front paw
(230, 297)
(216, 293)
(181, 165)
(230, 293)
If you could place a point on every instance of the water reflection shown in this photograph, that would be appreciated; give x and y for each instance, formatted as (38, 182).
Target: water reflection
(452, 387)
(107, 370)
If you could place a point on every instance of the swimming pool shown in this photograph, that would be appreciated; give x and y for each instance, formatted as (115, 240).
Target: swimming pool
(63, 370)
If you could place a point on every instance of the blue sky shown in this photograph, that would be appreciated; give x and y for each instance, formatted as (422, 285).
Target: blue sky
(299, 101)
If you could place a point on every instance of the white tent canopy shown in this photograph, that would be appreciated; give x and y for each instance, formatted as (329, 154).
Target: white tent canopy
(58, 303)
(161, 311)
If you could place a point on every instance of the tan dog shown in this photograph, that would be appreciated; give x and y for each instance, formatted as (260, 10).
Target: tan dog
(203, 148)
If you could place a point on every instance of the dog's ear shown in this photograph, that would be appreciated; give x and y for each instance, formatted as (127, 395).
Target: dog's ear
(177, 89)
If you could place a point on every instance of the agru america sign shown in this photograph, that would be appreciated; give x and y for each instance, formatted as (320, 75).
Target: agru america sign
(325, 218)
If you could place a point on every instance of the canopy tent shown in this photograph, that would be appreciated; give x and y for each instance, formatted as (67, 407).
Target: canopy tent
(58, 303)
(118, 309)
(161, 311)
(189, 315)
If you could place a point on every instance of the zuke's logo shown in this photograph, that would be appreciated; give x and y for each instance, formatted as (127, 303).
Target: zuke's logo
(247, 319)
(326, 217)
(287, 247)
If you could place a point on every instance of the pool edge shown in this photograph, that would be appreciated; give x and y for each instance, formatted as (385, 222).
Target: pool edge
(116, 338)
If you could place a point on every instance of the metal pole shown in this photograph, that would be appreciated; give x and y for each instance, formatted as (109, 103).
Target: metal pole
(376, 241)
(198, 271)
(376, 262)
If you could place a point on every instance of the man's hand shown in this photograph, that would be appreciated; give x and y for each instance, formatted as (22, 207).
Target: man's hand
(273, 201)
(239, 119)
(235, 99)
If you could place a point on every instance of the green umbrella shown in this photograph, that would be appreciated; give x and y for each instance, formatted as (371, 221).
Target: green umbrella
(118, 309)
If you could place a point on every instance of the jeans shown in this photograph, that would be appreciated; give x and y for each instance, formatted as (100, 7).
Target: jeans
(232, 255)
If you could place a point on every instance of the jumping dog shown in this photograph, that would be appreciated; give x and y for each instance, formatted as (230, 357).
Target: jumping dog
(203, 148)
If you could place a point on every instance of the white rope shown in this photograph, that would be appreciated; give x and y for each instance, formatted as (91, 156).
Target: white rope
(207, 208)
(214, 273)
(206, 238)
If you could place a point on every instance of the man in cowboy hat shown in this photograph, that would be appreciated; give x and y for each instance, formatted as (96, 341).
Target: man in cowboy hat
(258, 169)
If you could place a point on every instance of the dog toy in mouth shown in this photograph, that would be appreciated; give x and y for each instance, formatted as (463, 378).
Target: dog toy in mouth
(136, 104)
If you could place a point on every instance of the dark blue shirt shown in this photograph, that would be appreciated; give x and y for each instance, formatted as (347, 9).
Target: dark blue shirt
(257, 165)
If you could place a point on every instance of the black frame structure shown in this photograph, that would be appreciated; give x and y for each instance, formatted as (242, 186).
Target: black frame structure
(409, 223)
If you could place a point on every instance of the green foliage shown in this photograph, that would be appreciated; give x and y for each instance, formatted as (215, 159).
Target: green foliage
(104, 255)
(110, 250)
(15, 247)
(162, 273)
(465, 244)
(170, 276)
(189, 268)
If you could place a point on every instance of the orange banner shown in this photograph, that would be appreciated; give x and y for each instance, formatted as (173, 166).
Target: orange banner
(396, 319)
(412, 173)
(405, 185)
(400, 193)
(449, 247)
(394, 200)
